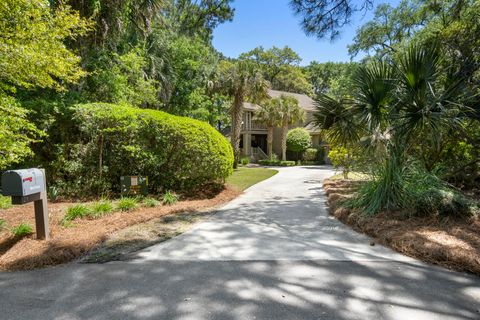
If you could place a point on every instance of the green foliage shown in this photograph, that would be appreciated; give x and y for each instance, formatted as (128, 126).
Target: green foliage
(33, 36)
(332, 78)
(16, 132)
(127, 204)
(344, 158)
(279, 163)
(3, 223)
(22, 230)
(324, 19)
(311, 154)
(101, 208)
(245, 160)
(150, 202)
(76, 211)
(5, 202)
(388, 190)
(298, 140)
(178, 153)
(169, 198)
(121, 78)
(415, 191)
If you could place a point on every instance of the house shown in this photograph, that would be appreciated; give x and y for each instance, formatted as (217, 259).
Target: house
(253, 139)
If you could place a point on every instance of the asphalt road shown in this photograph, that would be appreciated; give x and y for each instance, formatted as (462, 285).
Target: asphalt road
(272, 253)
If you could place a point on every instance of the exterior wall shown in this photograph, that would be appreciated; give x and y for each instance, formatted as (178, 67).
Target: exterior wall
(315, 140)
(249, 127)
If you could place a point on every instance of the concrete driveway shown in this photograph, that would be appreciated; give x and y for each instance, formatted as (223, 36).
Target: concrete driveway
(272, 253)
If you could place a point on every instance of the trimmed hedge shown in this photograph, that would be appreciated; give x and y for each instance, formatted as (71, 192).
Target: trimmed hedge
(175, 152)
(278, 163)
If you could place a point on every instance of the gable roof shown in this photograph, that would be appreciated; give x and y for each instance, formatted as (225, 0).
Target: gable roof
(304, 101)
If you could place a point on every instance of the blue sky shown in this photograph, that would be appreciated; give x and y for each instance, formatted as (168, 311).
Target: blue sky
(270, 23)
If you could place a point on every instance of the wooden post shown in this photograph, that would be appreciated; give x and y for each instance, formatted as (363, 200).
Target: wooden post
(41, 214)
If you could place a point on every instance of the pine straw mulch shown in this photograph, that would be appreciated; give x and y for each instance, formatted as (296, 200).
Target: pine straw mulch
(450, 242)
(69, 243)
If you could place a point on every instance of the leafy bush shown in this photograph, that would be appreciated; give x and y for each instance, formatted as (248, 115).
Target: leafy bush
(245, 160)
(150, 202)
(127, 204)
(177, 153)
(417, 191)
(22, 230)
(344, 158)
(76, 211)
(298, 140)
(169, 198)
(310, 154)
(278, 163)
(101, 208)
(3, 223)
(5, 202)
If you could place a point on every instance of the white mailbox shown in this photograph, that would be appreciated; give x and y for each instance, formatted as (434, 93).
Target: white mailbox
(29, 185)
(22, 183)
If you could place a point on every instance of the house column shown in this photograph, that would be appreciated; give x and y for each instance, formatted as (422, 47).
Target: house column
(247, 141)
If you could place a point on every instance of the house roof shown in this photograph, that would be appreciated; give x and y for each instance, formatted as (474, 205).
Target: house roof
(304, 101)
(312, 128)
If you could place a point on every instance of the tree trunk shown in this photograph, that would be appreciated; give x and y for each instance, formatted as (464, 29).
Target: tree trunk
(270, 142)
(237, 117)
(284, 142)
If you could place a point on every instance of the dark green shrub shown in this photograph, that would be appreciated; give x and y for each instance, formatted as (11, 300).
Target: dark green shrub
(445, 202)
(22, 230)
(298, 140)
(176, 153)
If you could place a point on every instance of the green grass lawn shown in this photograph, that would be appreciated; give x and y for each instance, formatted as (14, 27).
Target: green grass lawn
(243, 178)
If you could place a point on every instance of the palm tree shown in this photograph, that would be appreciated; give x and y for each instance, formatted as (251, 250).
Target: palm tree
(242, 81)
(270, 115)
(290, 113)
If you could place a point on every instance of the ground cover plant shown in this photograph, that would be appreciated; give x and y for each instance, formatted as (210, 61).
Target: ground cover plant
(127, 203)
(5, 202)
(169, 198)
(22, 230)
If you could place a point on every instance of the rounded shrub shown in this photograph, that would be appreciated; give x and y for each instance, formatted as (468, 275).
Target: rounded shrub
(298, 140)
(310, 154)
(176, 153)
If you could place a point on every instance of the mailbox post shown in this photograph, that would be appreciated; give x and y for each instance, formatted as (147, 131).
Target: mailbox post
(29, 185)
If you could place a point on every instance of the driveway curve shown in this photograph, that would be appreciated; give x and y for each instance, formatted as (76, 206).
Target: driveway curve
(272, 253)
